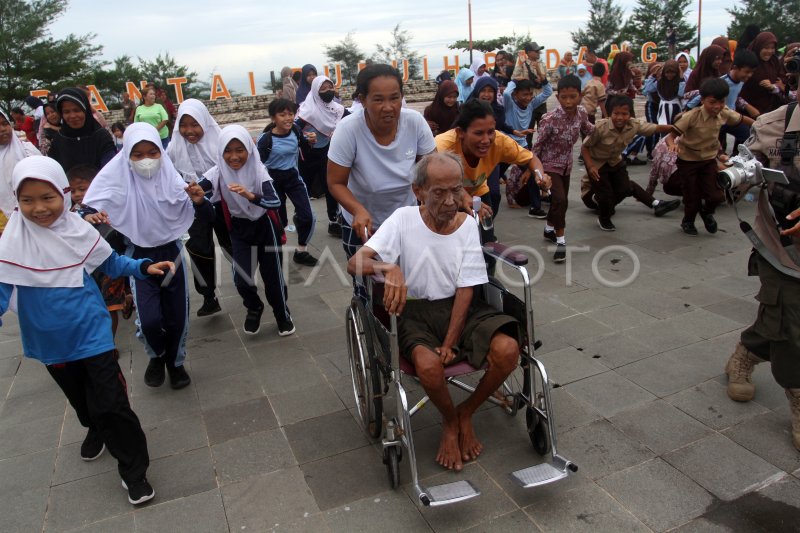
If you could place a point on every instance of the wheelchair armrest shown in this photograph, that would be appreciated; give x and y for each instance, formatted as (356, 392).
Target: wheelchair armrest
(505, 254)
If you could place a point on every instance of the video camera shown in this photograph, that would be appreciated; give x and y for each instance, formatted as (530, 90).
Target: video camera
(746, 171)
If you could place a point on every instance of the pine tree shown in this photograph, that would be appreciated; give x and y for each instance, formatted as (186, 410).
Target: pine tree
(348, 54)
(603, 27)
(30, 58)
(652, 19)
(781, 17)
(398, 49)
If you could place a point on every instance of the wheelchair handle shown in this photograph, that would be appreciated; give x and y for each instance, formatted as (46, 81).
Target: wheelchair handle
(505, 253)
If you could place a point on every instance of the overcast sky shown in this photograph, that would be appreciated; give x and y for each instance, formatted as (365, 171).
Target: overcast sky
(232, 38)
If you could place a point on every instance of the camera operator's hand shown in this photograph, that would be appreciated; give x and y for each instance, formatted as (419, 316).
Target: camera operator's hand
(794, 231)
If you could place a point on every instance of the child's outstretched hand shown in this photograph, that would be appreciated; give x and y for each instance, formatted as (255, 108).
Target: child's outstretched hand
(159, 269)
(241, 190)
(195, 192)
(97, 218)
(593, 173)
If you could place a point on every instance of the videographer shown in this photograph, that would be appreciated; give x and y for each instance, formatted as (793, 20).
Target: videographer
(775, 335)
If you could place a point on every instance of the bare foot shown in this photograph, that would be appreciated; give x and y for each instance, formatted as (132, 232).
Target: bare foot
(449, 454)
(471, 447)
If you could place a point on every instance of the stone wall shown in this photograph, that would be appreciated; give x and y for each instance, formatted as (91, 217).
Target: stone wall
(249, 108)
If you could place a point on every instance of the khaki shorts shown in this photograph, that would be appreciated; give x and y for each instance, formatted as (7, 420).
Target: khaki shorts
(425, 322)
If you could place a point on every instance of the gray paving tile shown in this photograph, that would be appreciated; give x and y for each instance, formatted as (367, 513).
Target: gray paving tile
(609, 393)
(257, 453)
(9, 365)
(23, 511)
(27, 472)
(199, 513)
(284, 372)
(705, 324)
(585, 300)
(722, 467)
(600, 449)
(660, 374)
(346, 477)
(621, 317)
(579, 327)
(30, 437)
(514, 521)
(703, 525)
(615, 350)
(709, 403)
(23, 409)
(178, 476)
(568, 364)
(324, 436)
(229, 390)
(660, 426)
(158, 405)
(658, 494)
(663, 335)
(85, 501)
(570, 412)
(221, 365)
(302, 404)
(587, 508)
(31, 378)
(214, 344)
(239, 420)
(768, 436)
(176, 436)
(262, 502)
(649, 301)
(70, 467)
(741, 310)
(391, 511)
(123, 523)
(490, 504)
(700, 295)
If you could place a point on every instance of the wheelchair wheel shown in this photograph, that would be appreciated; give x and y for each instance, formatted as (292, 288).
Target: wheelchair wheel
(537, 431)
(392, 460)
(366, 378)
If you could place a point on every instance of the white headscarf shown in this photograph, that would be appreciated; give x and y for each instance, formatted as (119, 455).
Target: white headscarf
(324, 117)
(149, 211)
(688, 64)
(10, 155)
(55, 256)
(251, 175)
(193, 160)
(477, 64)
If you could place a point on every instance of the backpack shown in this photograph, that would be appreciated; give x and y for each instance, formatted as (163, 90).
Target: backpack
(264, 142)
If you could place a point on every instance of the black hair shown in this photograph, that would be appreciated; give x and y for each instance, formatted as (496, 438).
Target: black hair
(621, 100)
(17, 110)
(523, 85)
(118, 126)
(296, 76)
(279, 105)
(749, 33)
(598, 69)
(377, 70)
(569, 82)
(472, 110)
(745, 58)
(715, 88)
(82, 172)
(504, 54)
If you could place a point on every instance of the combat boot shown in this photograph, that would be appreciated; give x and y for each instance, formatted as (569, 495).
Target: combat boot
(740, 370)
(794, 402)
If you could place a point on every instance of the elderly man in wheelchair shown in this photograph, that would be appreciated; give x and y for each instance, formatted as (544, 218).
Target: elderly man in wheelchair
(431, 259)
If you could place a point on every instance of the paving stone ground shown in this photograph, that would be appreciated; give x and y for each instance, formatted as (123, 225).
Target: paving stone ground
(265, 437)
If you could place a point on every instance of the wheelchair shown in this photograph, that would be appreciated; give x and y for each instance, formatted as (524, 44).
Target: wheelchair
(377, 367)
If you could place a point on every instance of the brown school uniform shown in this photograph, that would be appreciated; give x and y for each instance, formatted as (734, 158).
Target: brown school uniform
(605, 145)
(594, 95)
(697, 153)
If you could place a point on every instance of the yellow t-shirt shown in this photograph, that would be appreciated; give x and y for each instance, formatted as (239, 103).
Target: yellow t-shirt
(504, 149)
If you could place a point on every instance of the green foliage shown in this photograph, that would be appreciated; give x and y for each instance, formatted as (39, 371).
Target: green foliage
(482, 45)
(603, 27)
(652, 19)
(30, 58)
(399, 48)
(781, 17)
(348, 54)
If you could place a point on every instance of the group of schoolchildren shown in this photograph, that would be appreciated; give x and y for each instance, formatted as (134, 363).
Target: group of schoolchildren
(69, 279)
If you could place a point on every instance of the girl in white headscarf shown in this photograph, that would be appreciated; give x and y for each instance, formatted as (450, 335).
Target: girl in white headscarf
(47, 254)
(319, 114)
(245, 189)
(685, 64)
(193, 152)
(141, 195)
(12, 150)
(478, 67)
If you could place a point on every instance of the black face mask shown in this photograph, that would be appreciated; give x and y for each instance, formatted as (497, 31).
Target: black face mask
(327, 96)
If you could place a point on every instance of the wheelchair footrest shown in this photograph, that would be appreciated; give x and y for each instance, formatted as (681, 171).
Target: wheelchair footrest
(541, 474)
(449, 493)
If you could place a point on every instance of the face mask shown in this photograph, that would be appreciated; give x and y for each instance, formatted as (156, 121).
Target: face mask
(146, 168)
(327, 96)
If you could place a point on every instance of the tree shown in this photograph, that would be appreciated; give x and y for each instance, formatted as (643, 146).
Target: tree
(603, 27)
(397, 50)
(781, 17)
(164, 67)
(348, 54)
(652, 19)
(482, 45)
(111, 83)
(30, 58)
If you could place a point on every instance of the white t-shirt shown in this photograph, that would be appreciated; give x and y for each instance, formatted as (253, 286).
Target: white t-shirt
(380, 176)
(433, 265)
